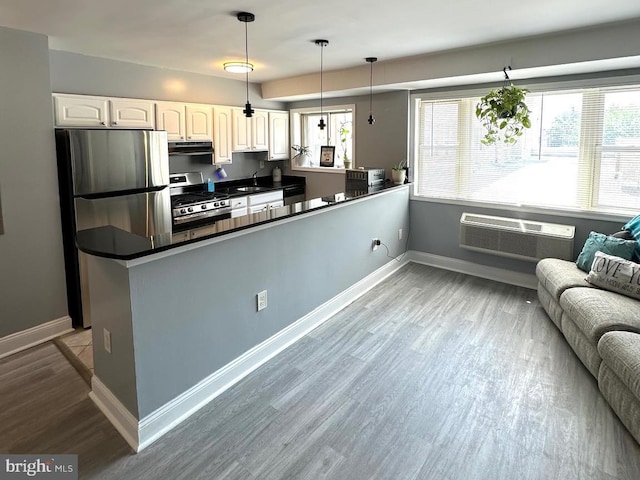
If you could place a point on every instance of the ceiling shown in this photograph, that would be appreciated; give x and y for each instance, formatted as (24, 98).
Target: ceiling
(199, 35)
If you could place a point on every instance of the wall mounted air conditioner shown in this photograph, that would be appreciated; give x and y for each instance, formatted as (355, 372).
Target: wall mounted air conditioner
(511, 237)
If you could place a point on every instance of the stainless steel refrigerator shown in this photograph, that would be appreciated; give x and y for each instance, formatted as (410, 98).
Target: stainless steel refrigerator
(109, 177)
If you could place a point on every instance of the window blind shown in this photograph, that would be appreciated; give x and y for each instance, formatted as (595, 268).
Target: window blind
(581, 152)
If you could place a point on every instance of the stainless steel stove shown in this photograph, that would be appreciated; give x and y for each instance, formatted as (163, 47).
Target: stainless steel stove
(192, 205)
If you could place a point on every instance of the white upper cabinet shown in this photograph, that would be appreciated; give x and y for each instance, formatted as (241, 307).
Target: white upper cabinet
(80, 111)
(127, 113)
(279, 136)
(170, 117)
(199, 122)
(250, 134)
(260, 130)
(241, 131)
(222, 134)
(87, 111)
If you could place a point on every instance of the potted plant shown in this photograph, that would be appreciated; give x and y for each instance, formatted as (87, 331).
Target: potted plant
(301, 152)
(504, 114)
(344, 132)
(399, 173)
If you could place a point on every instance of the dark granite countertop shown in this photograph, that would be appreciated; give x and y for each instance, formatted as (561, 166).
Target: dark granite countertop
(290, 185)
(113, 242)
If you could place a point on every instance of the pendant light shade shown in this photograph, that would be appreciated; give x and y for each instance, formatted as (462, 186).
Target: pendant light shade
(246, 17)
(370, 60)
(321, 44)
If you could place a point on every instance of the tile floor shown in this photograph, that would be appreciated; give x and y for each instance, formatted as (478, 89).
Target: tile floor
(80, 343)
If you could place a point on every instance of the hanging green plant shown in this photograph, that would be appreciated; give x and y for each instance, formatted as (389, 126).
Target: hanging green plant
(504, 114)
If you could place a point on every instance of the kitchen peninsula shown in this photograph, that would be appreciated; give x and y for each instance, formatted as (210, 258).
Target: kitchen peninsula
(175, 324)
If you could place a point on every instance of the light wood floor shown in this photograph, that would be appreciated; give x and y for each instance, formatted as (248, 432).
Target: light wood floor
(431, 375)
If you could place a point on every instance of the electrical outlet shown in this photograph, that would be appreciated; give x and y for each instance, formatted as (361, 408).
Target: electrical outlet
(107, 339)
(262, 300)
(399, 234)
(374, 244)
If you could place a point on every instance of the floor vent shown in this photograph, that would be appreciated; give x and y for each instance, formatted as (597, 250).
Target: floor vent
(511, 237)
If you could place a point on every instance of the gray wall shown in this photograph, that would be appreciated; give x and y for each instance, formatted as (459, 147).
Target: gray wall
(32, 285)
(86, 75)
(380, 145)
(435, 229)
(184, 331)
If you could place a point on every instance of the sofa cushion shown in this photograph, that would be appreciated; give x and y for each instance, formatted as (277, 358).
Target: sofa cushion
(621, 352)
(615, 274)
(604, 243)
(584, 348)
(550, 305)
(622, 401)
(596, 311)
(557, 275)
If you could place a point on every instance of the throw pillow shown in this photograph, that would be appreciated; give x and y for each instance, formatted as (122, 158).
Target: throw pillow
(610, 245)
(615, 274)
(633, 226)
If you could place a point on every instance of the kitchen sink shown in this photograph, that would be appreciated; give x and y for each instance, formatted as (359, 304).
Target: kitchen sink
(252, 189)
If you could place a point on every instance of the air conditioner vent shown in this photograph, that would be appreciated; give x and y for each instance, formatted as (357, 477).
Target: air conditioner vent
(510, 237)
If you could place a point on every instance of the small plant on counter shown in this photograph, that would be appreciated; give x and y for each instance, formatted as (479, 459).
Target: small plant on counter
(301, 152)
(504, 114)
(399, 166)
(344, 135)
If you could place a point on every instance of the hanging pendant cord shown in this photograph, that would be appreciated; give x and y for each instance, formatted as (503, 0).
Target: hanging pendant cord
(246, 52)
(321, 66)
(371, 88)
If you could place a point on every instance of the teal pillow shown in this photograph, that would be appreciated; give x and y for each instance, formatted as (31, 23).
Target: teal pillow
(633, 226)
(606, 244)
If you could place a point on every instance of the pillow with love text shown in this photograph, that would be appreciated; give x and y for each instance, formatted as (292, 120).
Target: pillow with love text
(615, 274)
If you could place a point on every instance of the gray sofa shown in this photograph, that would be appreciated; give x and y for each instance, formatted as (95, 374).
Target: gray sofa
(602, 328)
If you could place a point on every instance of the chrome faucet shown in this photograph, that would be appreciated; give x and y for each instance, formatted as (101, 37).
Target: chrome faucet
(255, 178)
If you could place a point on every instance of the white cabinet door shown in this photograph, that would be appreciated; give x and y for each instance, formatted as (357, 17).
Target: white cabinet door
(278, 135)
(260, 130)
(222, 134)
(241, 131)
(127, 113)
(199, 124)
(171, 117)
(80, 111)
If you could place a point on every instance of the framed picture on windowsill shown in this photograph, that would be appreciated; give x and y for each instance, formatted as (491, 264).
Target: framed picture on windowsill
(327, 155)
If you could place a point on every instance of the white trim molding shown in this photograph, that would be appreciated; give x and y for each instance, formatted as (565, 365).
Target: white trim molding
(124, 421)
(142, 433)
(16, 342)
(483, 271)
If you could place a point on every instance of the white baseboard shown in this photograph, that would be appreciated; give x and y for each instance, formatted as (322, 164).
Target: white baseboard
(115, 412)
(462, 266)
(140, 434)
(31, 337)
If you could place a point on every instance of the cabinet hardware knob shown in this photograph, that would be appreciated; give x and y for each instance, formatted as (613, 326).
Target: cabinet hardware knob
(102, 123)
(115, 123)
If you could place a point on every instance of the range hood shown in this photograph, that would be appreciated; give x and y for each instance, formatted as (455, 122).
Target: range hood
(191, 148)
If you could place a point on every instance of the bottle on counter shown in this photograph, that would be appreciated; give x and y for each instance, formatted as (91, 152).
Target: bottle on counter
(276, 175)
(211, 187)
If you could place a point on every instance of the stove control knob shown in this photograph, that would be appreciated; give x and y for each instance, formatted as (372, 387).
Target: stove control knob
(216, 204)
(183, 210)
(190, 209)
(203, 207)
(223, 203)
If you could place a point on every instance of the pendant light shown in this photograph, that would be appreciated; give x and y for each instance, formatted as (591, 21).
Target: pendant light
(247, 17)
(370, 60)
(321, 44)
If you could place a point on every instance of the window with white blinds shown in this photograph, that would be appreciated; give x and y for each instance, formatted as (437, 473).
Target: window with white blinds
(581, 152)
